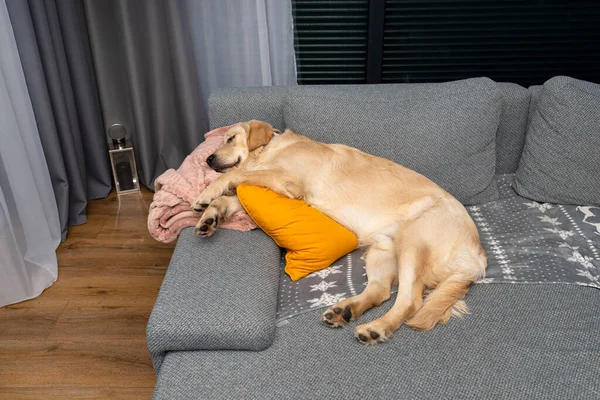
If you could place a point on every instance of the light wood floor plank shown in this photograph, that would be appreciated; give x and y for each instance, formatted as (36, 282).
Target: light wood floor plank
(84, 337)
(76, 393)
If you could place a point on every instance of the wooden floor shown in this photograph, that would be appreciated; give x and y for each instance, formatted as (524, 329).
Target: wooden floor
(84, 337)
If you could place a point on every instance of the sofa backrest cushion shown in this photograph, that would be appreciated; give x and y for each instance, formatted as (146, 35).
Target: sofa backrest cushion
(230, 105)
(444, 131)
(561, 158)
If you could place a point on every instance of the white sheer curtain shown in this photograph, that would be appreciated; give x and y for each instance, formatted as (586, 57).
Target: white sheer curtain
(242, 43)
(29, 224)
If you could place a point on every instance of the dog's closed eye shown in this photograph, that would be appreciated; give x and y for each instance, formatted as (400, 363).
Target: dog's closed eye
(230, 139)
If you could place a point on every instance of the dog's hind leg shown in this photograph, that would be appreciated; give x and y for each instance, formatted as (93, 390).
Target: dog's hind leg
(408, 301)
(442, 303)
(381, 274)
(467, 264)
(220, 210)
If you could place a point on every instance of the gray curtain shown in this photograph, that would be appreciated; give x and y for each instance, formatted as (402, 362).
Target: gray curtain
(147, 79)
(242, 43)
(53, 45)
(29, 223)
(157, 61)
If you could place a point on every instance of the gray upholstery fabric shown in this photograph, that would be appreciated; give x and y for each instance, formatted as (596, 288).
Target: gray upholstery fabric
(444, 131)
(218, 293)
(520, 342)
(510, 137)
(561, 158)
(228, 106)
(535, 92)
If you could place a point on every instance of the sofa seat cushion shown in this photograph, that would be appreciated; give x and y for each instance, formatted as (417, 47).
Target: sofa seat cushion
(444, 131)
(525, 242)
(520, 342)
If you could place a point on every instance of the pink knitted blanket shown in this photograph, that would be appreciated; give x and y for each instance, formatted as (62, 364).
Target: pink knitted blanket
(176, 189)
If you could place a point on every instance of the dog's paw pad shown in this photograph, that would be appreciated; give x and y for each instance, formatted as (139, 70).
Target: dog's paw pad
(370, 335)
(206, 227)
(336, 317)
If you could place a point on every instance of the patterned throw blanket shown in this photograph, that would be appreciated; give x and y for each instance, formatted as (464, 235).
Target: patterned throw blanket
(525, 242)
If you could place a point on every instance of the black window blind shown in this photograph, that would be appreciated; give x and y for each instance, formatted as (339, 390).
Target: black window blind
(331, 41)
(525, 42)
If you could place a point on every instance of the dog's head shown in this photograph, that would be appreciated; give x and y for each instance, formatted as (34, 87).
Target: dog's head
(238, 143)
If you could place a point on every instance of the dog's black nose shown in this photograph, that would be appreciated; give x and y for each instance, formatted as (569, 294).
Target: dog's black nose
(210, 159)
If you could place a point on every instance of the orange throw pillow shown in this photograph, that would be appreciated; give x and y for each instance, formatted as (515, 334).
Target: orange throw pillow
(313, 240)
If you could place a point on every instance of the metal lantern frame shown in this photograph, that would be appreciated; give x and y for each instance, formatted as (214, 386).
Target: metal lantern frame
(121, 147)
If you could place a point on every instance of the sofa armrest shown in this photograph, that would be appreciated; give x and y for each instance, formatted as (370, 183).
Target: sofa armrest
(218, 293)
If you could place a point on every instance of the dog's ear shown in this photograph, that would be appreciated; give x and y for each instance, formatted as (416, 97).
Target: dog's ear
(259, 134)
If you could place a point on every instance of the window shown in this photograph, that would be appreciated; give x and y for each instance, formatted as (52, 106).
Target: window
(391, 41)
(331, 41)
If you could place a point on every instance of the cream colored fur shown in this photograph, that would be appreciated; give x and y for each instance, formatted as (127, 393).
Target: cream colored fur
(418, 235)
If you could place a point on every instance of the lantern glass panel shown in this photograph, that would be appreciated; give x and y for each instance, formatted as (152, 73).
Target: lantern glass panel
(124, 170)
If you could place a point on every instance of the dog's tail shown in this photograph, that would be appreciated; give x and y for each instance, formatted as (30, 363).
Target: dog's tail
(442, 303)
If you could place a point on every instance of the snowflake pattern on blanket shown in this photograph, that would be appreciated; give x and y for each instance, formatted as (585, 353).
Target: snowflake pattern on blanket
(525, 242)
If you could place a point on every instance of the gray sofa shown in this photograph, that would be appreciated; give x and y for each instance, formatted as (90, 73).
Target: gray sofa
(218, 330)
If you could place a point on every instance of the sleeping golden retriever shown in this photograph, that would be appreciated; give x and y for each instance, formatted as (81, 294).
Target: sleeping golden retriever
(417, 234)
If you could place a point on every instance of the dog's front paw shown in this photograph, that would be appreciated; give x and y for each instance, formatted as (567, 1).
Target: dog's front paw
(201, 203)
(208, 222)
